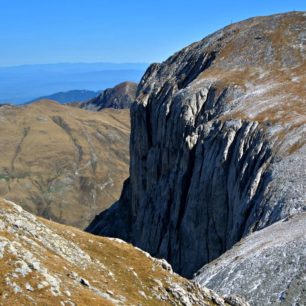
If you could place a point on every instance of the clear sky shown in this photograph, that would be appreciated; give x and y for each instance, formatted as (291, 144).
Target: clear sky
(53, 31)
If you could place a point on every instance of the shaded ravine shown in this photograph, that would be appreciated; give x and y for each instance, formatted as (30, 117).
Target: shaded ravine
(78, 148)
(171, 223)
(25, 133)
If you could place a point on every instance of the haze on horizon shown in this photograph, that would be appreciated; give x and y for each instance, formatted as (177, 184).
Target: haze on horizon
(58, 46)
(75, 31)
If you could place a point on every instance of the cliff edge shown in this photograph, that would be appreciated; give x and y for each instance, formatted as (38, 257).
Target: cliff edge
(217, 144)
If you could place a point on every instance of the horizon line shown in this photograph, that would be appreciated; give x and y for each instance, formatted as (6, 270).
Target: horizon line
(76, 63)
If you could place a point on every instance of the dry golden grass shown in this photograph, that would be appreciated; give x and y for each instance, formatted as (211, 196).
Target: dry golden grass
(115, 268)
(267, 63)
(63, 163)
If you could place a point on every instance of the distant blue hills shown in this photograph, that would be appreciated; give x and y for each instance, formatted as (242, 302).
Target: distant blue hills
(21, 84)
(77, 95)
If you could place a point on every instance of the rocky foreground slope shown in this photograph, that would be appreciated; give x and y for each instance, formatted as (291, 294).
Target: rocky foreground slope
(217, 147)
(63, 163)
(119, 97)
(44, 263)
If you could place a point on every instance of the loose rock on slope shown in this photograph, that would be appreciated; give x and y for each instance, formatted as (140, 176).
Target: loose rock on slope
(44, 263)
(217, 144)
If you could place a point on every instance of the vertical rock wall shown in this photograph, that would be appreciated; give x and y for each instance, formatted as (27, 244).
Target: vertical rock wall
(203, 172)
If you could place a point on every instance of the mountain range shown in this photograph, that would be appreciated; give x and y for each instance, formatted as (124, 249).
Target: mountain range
(70, 96)
(209, 154)
(21, 84)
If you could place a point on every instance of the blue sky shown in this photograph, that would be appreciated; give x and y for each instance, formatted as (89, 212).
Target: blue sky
(53, 31)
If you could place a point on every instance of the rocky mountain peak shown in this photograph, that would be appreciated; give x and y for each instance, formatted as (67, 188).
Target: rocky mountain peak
(217, 144)
(261, 58)
(119, 97)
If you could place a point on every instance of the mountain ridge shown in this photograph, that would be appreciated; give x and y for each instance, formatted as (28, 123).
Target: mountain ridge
(76, 95)
(213, 143)
(25, 83)
(120, 96)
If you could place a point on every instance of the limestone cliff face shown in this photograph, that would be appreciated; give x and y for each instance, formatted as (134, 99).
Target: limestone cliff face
(217, 144)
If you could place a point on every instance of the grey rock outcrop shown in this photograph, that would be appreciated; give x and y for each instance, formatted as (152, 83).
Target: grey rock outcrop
(271, 265)
(217, 144)
(119, 97)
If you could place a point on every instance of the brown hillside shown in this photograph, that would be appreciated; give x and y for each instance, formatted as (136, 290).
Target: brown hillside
(63, 163)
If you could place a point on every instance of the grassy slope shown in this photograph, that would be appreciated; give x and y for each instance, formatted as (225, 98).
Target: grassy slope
(63, 163)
